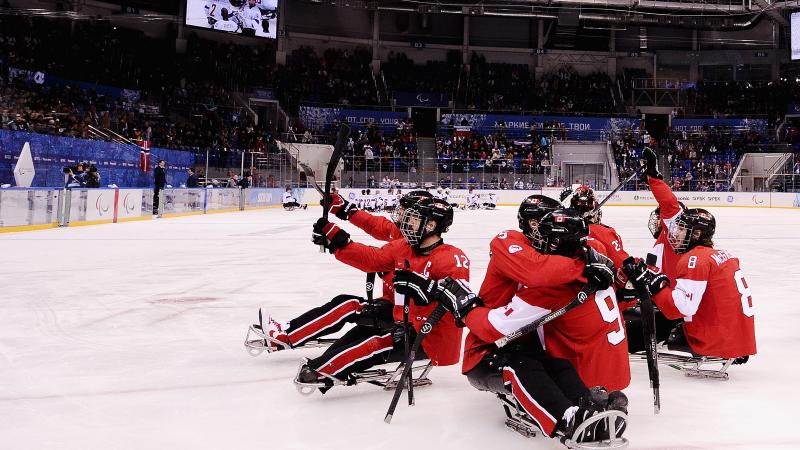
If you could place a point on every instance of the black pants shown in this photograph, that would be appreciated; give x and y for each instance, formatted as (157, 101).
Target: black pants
(156, 194)
(332, 316)
(633, 326)
(544, 387)
(291, 205)
(361, 348)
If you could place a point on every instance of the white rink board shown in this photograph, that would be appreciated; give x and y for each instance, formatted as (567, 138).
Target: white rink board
(621, 198)
(142, 348)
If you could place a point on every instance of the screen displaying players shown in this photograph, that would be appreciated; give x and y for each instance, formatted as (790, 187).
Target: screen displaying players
(245, 17)
(795, 22)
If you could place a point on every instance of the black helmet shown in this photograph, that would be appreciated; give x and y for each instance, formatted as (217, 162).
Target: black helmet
(654, 223)
(583, 201)
(534, 207)
(414, 222)
(693, 227)
(561, 232)
(237, 3)
(407, 201)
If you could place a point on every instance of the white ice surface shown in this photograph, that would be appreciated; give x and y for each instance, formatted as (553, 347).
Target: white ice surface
(129, 336)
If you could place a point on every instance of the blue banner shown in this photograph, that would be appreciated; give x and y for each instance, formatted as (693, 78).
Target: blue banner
(318, 118)
(42, 78)
(117, 164)
(264, 93)
(698, 124)
(576, 128)
(422, 99)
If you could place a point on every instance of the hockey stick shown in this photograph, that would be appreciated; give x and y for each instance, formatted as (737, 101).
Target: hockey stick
(338, 150)
(310, 177)
(406, 309)
(616, 189)
(649, 331)
(370, 285)
(426, 328)
(579, 299)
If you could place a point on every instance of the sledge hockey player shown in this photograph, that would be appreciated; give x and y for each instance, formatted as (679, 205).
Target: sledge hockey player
(669, 208)
(269, 10)
(421, 255)
(472, 199)
(289, 202)
(447, 198)
(710, 292)
(584, 201)
(491, 202)
(306, 329)
(250, 18)
(521, 285)
(222, 10)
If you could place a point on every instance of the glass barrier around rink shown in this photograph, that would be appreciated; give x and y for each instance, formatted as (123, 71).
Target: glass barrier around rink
(223, 199)
(29, 206)
(182, 201)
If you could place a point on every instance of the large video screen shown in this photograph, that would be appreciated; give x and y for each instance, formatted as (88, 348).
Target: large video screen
(246, 17)
(795, 35)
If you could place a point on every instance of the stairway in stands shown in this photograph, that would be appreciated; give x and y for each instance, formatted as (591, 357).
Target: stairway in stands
(426, 151)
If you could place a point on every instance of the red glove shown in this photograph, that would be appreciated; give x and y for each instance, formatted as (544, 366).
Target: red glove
(329, 235)
(340, 207)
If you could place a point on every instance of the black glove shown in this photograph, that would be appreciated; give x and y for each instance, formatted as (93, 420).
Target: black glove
(641, 275)
(340, 207)
(652, 163)
(399, 333)
(329, 235)
(599, 270)
(416, 286)
(565, 193)
(627, 293)
(456, 297)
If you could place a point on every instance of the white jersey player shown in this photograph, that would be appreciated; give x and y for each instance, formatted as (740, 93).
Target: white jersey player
(250, 18)
(289, 202)
(491, 202)
(226, 25)
(223, 10)
(472, 199)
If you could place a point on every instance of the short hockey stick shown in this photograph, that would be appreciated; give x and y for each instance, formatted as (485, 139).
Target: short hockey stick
(338, 151)
(531, 327)
(426, 328)
(649, 331)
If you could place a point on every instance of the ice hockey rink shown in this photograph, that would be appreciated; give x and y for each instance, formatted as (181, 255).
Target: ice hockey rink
(129, 336)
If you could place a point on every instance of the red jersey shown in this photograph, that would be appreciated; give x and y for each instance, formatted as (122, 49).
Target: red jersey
(592, 336)
(714, 300)
(669, 209)
(522, 285)
(611, 241)
(443, 344)
(382, 229)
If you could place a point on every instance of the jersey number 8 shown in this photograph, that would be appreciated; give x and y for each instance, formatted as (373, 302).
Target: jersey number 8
(744, 290)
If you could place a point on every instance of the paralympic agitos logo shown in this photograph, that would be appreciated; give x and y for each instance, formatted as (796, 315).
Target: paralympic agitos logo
(102, 206)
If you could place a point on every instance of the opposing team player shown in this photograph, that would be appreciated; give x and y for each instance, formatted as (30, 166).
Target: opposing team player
(289, 202)
(250, 18)
(271, 335)
(269, 11)
(472, 199)
(544, 384)
(491, 201)
(710, 292)
(420, 255)
(223, 10)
